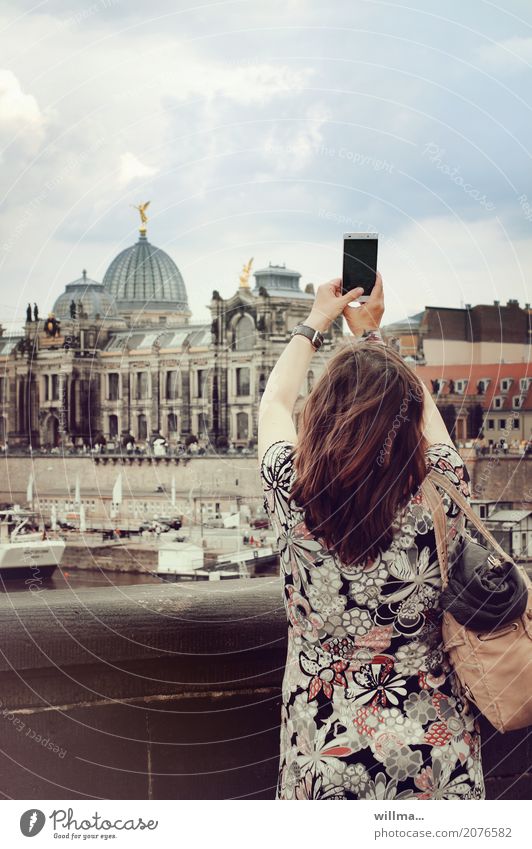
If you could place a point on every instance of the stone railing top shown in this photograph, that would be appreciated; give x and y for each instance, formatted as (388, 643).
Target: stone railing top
(180, 622)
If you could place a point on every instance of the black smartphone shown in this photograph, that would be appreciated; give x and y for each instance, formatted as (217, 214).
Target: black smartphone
(360, 262)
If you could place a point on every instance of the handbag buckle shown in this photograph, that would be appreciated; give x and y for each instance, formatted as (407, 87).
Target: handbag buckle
(492, 635)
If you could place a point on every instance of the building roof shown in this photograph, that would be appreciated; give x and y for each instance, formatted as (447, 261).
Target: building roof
(405, 325)
(280, 282)
(8, 344)
(473, 373)
(143, 277)
(507, 323)
(186, 335)
(96, 303)
(511, 516)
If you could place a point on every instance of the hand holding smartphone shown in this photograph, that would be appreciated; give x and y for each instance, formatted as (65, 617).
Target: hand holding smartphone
(360, 263)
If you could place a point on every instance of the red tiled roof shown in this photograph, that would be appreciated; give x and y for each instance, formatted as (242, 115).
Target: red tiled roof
(473, 373)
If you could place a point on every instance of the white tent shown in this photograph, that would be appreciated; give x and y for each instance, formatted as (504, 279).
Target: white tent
(29, 490)
(117, 496)
(232, 521)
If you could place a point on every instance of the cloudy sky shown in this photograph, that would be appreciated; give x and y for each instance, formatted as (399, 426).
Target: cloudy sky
(267, 130)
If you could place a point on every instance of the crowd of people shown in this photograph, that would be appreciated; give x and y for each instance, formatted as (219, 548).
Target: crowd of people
(132, 448)
(482, 446)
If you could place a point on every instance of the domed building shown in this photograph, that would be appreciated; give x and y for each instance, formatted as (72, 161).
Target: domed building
(86, 298)
(280, 282)
(146, 285)
(121, 360)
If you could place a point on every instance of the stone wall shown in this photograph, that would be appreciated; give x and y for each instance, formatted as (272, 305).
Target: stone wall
(170, 692)
(55, 474)
(502, 477)
(498, 477)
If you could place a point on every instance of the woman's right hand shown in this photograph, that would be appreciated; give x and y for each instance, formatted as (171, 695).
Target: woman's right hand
(366, 316)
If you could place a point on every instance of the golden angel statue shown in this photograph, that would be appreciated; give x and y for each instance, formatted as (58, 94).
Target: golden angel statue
(244, 276)
(141, 209)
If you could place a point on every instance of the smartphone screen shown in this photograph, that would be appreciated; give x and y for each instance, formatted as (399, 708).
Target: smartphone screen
(360, 261)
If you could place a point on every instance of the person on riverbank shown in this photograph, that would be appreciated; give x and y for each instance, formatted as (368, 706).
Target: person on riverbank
(371, 708)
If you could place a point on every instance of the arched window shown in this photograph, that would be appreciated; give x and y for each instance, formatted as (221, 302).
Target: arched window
(244, 334)
(310, 381)
(114, 386)
(142, 427)
(203, 425)
(52, 432)
(113, 427)
(171, 385)
(172, 424)
(142, 385)
(242, 381)
(242, 426)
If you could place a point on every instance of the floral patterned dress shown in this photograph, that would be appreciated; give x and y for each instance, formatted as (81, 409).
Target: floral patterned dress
(370, 706)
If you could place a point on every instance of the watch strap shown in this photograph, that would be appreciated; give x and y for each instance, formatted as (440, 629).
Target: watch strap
(315, 336)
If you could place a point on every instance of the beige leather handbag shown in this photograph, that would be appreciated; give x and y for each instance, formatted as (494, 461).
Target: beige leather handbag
(493, 667)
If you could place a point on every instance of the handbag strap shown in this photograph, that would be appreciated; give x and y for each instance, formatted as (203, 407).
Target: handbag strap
(438, 479)
(433, 500)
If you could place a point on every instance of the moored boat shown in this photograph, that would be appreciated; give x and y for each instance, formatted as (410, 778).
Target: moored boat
(24, 551)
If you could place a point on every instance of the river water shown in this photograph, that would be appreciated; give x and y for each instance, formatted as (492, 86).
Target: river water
(64, 579)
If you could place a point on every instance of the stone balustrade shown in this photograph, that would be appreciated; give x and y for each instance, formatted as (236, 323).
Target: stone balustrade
(160, 692)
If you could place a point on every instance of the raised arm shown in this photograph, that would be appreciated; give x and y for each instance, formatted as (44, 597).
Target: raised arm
(434, 428)
(282, 389)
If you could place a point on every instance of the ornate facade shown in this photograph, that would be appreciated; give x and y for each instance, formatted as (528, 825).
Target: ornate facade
(121, 360)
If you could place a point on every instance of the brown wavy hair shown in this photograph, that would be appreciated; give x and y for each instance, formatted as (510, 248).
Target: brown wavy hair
(361, 452)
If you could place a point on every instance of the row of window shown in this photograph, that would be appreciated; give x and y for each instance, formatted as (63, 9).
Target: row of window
(503, 424)
(460, 386)
(141, 389)
(498, 402)
(70, 506)
(172, 426)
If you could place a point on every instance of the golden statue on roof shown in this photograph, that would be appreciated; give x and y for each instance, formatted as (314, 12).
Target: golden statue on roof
(141, 209)
(244, 276)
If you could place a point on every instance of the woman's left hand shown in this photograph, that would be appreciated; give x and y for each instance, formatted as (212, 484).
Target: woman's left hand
(329, 303)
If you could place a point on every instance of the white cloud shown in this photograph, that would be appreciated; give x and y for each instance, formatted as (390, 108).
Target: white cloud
(293, 149)
(234, 115)
(440, 260)
(245, 83)
(510, 55)
(17, 107)
(131, 168)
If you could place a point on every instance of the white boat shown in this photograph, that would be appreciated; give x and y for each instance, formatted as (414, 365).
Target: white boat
(25, 552)
(179, 561)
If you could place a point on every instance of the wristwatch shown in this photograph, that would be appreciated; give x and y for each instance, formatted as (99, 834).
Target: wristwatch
(316, 338)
